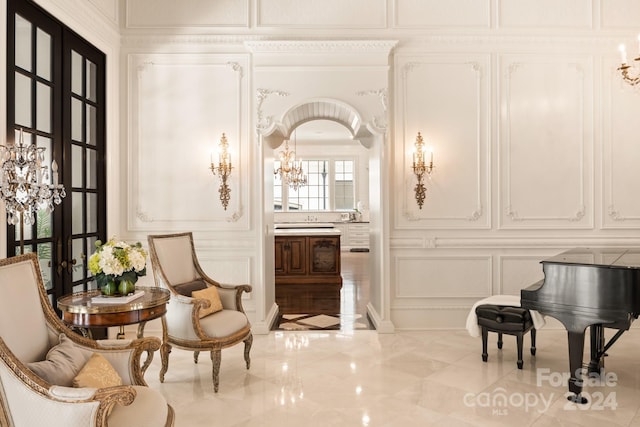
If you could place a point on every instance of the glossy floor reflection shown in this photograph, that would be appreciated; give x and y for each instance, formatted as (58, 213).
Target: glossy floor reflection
(362, 378)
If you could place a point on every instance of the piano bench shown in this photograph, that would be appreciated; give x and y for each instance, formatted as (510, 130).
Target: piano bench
(504, 319)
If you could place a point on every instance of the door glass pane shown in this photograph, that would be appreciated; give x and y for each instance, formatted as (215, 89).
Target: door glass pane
(92, 129)
(43, 107)
(76, 120)
(92, 76)
(27, 232)
(76, 73)
(43, 52)
(92, 169)
(23, 100)
(46, 264)
(77, 220)
(76, 166)
(23, 43)
(43, 224)
(91, 247)
(79, 257)
(92, 213)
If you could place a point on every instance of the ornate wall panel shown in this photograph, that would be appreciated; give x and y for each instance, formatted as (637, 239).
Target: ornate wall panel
(545, 13)
(520, 271)
(620, 14)
(171, 147)
(446, 99)
(322, 13)
(546, 142)
(228, 269)
(620, 160)
(436, 13)
(442, 276)
(186, 13)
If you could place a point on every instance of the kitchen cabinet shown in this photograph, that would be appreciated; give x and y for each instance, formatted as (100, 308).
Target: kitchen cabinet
(353, 235)
(307, 272)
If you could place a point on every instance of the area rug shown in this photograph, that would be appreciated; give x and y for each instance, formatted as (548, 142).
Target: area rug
(314, 322)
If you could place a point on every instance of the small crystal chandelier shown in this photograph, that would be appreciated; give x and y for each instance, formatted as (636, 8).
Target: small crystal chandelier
(223, 170)
(25, 183)
(630, 73)
(290, 169)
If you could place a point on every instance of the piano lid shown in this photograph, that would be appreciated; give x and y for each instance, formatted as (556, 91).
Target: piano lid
(603, 257)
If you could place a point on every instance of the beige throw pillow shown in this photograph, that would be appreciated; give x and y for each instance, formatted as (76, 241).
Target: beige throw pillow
(211, 294)
(62, 363)
(97, 373)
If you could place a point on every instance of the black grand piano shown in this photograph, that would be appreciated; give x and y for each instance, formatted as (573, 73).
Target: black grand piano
(584, 287)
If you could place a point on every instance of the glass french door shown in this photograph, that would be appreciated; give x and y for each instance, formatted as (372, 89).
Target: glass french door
(56, 95)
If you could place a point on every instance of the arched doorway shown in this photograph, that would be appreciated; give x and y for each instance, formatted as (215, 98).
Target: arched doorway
(371, 138)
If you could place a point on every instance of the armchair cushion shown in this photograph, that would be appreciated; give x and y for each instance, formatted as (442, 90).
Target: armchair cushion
(223, 323)
(211, 295)
(97, 373)
(187, 288)
(149, 409)
(62, 364)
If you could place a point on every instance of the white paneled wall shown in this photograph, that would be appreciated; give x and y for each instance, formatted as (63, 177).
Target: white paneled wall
(181, 105)
(535, 138)
(446, 99)
(546, 142)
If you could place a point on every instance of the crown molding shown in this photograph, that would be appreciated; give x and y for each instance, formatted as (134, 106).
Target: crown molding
(321, 46)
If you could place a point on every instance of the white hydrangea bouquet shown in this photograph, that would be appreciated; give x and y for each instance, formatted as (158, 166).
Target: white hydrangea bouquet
(116, 266)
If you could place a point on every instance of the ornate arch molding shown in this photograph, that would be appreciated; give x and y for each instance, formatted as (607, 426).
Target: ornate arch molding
(316, 109)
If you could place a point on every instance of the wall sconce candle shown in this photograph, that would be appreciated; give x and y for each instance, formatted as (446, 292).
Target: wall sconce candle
(420, 168)
(223, 170)
(630, 73)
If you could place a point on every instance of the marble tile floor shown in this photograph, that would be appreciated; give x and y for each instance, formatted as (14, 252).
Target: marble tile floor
(429, 378)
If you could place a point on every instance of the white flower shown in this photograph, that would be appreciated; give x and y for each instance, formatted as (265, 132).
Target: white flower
(137, 260)
(115, 258)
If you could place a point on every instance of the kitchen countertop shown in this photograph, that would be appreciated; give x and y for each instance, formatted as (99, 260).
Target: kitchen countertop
(307, 232)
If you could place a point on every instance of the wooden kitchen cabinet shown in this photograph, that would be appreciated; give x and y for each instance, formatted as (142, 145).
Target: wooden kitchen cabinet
(307, 274)
(291, 256)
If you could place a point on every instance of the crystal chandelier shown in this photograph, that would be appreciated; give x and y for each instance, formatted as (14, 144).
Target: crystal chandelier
(25, 182)
(290, 169)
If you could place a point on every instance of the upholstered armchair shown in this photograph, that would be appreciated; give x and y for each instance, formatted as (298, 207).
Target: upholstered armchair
(51, 376)
(202, 314)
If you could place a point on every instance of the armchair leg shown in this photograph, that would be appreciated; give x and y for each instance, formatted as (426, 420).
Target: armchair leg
(165, 349)
(216, 357)
(195, 356)
(247, 348)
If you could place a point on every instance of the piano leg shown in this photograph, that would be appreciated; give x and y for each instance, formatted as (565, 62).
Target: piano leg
(485, 338)
(576, 348)
(596, 365)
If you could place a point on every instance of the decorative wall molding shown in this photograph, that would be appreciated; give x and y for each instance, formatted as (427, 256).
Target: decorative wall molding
(325, 46)
(409, 211)
(522, 158)
(153, 212)
(380, 122)
(262, 122)
(517, 242)
(471, 281)
(321, 14)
